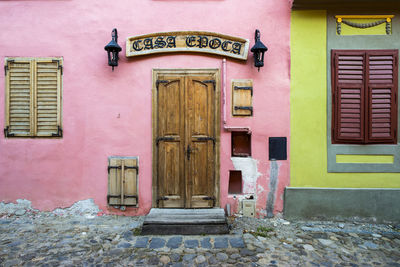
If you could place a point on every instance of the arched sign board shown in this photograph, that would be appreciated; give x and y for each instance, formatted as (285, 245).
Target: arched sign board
(188, 41)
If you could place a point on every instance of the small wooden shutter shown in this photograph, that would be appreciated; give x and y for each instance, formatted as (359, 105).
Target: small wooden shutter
(242, 97)
(382, 90)
(48, 98)
(122, 181)
(19, 97)
(348, 96)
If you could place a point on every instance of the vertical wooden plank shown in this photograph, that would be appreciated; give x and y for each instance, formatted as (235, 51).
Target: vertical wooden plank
(33, 97)
(115, 181)
(59, 92)
(7, 84)
(122, 180)
(131, 181)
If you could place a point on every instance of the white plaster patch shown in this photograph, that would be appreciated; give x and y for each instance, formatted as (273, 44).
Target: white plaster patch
(19, 208)
(250, 173)
(85, 208)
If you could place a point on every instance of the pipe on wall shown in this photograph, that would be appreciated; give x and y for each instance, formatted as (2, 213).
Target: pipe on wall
(226, 127)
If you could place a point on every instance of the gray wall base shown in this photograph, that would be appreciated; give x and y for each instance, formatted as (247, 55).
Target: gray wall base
(360, 204)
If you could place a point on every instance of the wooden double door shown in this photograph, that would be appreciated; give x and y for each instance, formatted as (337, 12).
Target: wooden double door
(185, 135)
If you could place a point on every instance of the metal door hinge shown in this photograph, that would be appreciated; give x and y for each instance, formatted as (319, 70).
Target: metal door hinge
(207, 138)
(125, 196)
(59, 132)
(160, 81)
(158, 139)
(7, 133)
(210, 81)
(210, 198)
(161, 198)
(6, 69)
(126, 167)
(245, 108)
(244, 88)
(60, 67)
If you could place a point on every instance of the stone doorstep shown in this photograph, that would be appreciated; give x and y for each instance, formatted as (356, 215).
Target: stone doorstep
(185, 222)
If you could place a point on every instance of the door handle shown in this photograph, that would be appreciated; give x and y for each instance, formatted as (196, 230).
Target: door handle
(188, 151)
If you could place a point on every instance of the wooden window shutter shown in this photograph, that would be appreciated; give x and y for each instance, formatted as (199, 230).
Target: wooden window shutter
(19, 97)
(48, 97)
(348, 80)
(242, 97)
(33, 97)
(122, 181)
(382, 96)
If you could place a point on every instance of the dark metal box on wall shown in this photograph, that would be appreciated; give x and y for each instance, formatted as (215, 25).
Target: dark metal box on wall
(277, 148)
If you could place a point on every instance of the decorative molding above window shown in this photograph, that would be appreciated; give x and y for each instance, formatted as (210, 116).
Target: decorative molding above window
(364, 24)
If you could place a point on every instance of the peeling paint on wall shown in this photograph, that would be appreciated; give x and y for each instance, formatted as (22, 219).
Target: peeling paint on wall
(273, 182)
(250, 173)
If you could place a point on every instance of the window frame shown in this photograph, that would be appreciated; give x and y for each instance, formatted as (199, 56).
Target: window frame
(40, 69)
(365, 98)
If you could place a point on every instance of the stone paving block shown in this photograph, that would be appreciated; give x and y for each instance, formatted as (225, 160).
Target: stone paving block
(174, 242)
(221, 242)
(222, 256)
(124, 245)
(153, 260)
(157, 242)
(205, 242)
(189, 257)
(175, 257)
(141, 242)
(128, 235)
(236, 242)
(247, 252)
(191, 243)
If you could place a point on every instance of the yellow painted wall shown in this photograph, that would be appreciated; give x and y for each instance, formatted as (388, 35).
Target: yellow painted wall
(309, 112)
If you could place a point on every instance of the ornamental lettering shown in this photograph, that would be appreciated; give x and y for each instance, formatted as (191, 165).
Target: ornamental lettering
(204, 42)
(191, 41)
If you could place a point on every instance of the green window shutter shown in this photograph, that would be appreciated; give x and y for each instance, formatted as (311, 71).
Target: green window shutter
(19, 97)
(48, 97)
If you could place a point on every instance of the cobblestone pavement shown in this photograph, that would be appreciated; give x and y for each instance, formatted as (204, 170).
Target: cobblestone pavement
(47, 239)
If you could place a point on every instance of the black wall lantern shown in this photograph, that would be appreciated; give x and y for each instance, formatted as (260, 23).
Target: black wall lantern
(113, 49)
(258, 49)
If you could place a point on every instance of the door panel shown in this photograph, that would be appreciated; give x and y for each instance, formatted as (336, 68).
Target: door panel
(170, 142)
(185, 141)
(199, 125)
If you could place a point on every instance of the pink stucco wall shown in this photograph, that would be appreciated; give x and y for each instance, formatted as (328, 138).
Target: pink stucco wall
(109, 113)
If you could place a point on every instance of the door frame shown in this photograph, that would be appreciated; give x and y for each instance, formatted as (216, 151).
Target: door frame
(217, 129)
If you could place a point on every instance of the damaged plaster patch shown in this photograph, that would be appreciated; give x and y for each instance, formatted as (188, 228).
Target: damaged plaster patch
(85, 208)
(273, 182)
(250, 173)
(20, 208)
